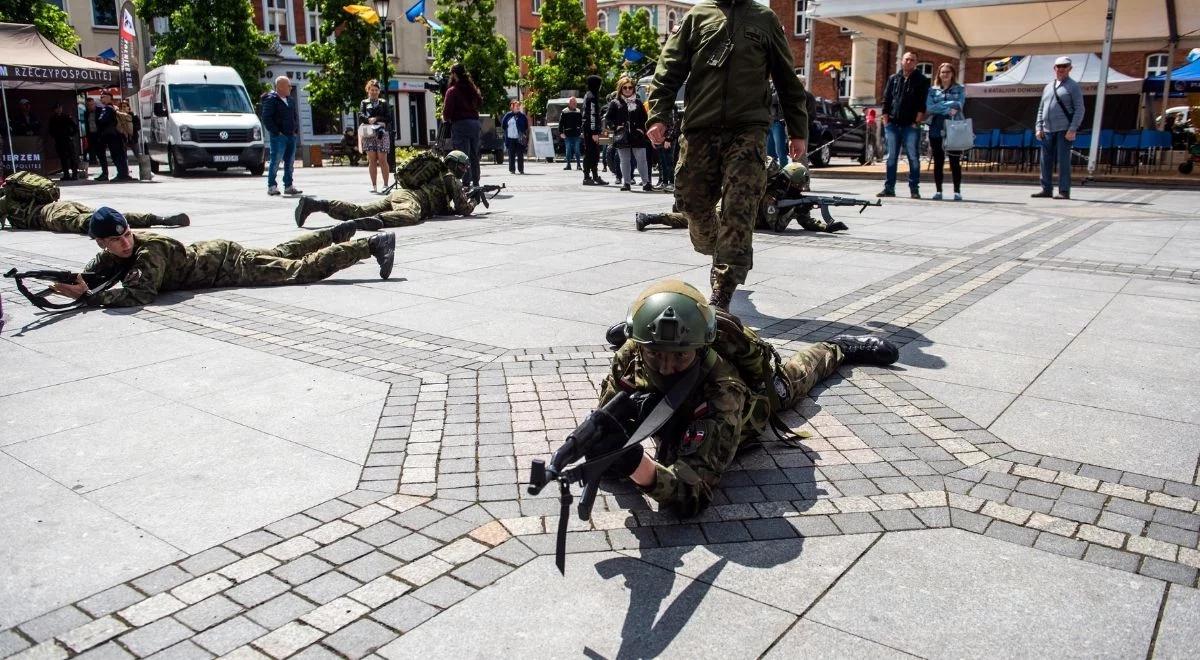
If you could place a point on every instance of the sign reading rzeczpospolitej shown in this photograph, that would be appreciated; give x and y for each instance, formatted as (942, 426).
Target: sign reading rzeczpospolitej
(56, 74)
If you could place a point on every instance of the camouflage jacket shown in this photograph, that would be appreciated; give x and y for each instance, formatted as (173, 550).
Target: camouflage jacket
(159, 263)
(700, 442)
(442, 196)
(736, 95)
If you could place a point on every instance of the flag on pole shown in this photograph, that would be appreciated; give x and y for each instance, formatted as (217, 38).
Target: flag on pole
(108, 54)
(367, 14)
(128, 32)
(632, 55)
(416, 14)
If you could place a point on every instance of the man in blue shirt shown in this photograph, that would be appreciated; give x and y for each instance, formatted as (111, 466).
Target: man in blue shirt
(279, 118)
(1060, 113)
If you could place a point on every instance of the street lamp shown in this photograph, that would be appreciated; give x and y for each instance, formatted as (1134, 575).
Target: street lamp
(381, 8)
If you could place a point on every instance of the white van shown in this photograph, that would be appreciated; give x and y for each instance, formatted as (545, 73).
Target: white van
(195, 114)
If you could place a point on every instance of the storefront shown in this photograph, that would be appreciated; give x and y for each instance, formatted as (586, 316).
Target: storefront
(414, 109)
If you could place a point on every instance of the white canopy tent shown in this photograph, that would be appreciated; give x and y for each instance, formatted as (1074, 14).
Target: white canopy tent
(995, 28)
(1029, 77)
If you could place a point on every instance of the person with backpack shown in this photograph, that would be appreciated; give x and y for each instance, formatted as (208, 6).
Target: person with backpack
(148, 264)
(732, 385)
(31, 201)
(423, 193)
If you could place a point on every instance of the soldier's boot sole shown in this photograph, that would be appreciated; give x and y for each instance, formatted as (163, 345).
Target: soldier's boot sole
(343, 231)
(837, 226)
(307, 206)
(383, 248)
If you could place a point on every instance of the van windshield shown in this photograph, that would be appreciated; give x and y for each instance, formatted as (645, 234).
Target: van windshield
(209, 98)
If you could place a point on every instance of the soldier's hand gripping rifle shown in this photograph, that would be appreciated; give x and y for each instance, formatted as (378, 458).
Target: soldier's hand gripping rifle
(95, 283)
(807, 202)
(478, 194)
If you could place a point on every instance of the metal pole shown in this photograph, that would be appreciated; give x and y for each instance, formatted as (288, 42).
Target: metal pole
(1166, 89)
(1109, 20)
(901, 40)
(12, 159)
(810, 47)
(387, 91)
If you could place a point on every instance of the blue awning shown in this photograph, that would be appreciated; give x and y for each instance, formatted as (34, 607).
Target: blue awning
(1184, 80)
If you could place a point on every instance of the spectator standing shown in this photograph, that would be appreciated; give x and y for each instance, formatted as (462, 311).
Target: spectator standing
(515, 125)
(666, 152)
(903, 111)
(460, 108)
(777, 145)
(375, 113)
(111, 139)
(25, 122)
(945, 101)
(593, 128)
(872, 129)
(64, 130)
(1059, 116)
(570, 129)
(94, 148)
(279, 118)
(626, 119)
(126, 125)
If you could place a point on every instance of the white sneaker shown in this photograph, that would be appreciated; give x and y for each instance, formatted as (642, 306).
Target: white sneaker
(273, 190)
(292, 190)
(957, 197)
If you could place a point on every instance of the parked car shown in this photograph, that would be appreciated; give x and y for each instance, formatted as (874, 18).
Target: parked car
(837, 130)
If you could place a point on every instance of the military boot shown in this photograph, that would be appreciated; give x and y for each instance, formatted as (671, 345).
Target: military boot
(308, 206)
(645, 219)
(866, 349)
(383, 248)
(722, 296)
(615, 336)
(177, 220)
(837, 225)
(342, 231)
(368, 223)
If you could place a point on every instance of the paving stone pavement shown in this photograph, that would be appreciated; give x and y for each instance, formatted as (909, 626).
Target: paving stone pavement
(393, 423)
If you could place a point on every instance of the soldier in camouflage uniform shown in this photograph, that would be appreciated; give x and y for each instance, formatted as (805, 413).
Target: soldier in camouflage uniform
(151, 263)
(725, 50)
(73, 217)
(670, 329)
(787, 183)
(402, 207)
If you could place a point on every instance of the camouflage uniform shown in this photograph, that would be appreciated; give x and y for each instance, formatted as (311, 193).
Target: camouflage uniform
(160, 263)
(68, 218)
(694, 451)
(404, 208)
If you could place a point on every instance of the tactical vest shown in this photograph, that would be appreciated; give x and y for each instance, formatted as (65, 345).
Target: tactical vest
(420, 170)
(24, 191)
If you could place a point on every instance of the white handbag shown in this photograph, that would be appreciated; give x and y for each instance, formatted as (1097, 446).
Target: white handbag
(960, 134)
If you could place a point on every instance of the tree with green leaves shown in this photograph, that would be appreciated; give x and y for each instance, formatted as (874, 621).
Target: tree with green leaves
(573, 52)
(50, 21)
(220, 31)
(346, 61)
(634, 31)
(469, 37)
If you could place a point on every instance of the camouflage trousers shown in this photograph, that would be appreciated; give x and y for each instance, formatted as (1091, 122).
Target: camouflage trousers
(726, 167)
(310, 258)
(805, 220)
(68, 217)
(807, 367)
(400, 208)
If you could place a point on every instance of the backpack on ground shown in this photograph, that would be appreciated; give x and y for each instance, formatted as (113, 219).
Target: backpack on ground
(24, 190)
(420, 170)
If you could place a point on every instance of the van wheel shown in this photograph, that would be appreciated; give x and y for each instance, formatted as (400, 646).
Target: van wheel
(173, 163)
(154, 166)
(820, 157)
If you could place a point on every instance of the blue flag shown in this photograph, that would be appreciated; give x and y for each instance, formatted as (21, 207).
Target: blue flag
(108, 54)
(418, 9)
(631, 54)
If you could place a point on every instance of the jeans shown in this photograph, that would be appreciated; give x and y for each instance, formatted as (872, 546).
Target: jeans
(283, 147)
(628, 156)
(1056, 148)
(666, 165)
(464, 135)
(939, 159)
(777, 142)
(909, 136)
(516, 155)
(115, 144)
(571, 145)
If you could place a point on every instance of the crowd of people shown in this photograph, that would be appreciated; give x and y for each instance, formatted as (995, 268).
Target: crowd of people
(109, 130)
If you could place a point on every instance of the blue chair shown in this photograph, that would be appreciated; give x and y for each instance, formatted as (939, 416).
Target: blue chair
(1083, 147)
(1126, 150)
(1154, 144)
(985, 144)
(1012, 147)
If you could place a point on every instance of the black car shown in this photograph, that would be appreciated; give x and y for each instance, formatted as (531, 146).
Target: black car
(837, 130)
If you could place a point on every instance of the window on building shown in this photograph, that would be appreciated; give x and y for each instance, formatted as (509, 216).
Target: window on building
(539, 56)
(275, 18)
(312, 21)
(389, 40)
(537, 7)
(926, 69)
(104, 13)
(801, 18)
(61, 4)
(1156, 65)
(325, 122)
(602, 21)
(428, 44)
(844, 82)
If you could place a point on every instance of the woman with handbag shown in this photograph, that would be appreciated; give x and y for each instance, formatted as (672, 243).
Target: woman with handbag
(944, 104)
(515, 125)
(626, 118)
(374, 118)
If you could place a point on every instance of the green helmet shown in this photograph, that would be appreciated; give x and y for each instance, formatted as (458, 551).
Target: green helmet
(797, 173)
(671, 316)
(458, 159)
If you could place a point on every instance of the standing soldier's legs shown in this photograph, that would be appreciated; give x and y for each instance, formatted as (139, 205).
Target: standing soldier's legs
(743, 179)
(807, 367)
(697, 186)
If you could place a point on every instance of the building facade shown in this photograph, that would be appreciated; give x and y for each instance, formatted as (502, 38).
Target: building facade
(528, 16)
(665, 15)
(96, 23)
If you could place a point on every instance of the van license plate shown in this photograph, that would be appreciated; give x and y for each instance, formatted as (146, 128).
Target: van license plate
(221, 158)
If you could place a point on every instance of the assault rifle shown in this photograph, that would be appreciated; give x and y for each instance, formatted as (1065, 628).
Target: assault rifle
(807, 202)
(95, 282)
(478, 194)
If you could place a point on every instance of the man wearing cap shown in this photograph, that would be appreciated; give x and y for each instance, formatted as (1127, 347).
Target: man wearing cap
(149, 263)
(1060, 113)
(401, 208)
(67, 217)
(25, 123)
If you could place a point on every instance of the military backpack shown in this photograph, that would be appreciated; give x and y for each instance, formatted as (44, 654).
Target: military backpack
(420, 170)
(25, 190)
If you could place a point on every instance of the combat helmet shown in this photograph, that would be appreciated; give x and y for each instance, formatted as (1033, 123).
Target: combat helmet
(671, 316)
(458, 160)
(796, 173)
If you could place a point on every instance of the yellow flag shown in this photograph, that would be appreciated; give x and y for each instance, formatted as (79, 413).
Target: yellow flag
(364, 12)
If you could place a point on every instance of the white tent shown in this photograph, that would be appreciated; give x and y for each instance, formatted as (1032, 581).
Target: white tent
(1030, 75)
(995, 28)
